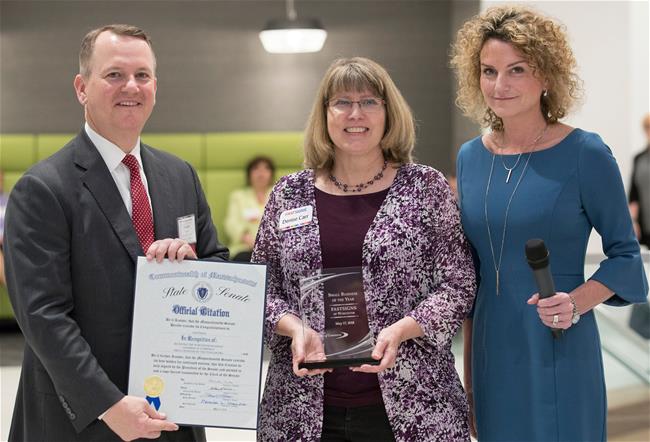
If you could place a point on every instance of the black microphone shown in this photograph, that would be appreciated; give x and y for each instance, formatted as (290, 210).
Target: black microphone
(537, 256)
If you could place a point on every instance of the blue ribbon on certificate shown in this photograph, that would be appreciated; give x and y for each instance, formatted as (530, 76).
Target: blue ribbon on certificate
(155, 401)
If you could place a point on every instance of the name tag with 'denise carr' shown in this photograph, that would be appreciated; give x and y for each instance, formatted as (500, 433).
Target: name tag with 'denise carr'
(290, 219)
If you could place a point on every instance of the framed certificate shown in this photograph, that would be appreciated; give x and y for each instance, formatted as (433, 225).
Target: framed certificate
(196, 348)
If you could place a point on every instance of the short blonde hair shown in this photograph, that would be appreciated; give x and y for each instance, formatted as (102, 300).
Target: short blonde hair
(357, 75)
(543, 43)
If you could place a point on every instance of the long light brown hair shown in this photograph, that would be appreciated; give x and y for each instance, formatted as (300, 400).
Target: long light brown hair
(359, 74)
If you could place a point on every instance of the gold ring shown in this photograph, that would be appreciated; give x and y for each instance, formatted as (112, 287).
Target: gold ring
(556, 319)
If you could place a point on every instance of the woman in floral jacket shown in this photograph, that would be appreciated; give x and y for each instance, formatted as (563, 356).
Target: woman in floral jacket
(373, 208)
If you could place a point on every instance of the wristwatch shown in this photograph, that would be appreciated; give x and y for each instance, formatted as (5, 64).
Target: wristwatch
(575, 316)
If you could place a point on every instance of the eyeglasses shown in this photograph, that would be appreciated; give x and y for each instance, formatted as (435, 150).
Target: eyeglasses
(367, 105)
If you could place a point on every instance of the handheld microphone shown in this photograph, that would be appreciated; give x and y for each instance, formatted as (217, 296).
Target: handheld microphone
(537, 257)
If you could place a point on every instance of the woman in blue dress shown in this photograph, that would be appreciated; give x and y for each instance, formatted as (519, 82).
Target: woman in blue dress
(529, 177)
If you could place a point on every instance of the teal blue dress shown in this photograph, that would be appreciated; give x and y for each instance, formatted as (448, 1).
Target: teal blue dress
(527, 385)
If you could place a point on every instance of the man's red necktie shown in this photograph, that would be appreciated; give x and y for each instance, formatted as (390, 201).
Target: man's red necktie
(141, 211)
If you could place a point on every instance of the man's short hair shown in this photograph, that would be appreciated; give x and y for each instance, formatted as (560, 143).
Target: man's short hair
(88, 43)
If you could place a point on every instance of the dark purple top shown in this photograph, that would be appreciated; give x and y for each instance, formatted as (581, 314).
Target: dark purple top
(343, 222)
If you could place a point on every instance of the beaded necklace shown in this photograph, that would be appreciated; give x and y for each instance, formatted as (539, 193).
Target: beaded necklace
(358, 187)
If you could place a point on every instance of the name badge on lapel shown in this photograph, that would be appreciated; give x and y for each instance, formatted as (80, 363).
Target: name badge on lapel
(187, 228)
(290, 219)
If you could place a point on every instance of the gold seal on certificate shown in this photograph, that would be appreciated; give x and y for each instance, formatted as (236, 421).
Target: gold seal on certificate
(332, 303)
(153, 388)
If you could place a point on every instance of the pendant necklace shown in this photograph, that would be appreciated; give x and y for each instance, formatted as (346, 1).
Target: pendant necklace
(495, 262)
(510, 169)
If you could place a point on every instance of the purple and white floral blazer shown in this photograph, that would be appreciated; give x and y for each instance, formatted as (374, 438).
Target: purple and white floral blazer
(416, 262)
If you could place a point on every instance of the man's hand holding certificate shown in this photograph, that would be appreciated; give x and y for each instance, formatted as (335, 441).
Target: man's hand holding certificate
(196, 351)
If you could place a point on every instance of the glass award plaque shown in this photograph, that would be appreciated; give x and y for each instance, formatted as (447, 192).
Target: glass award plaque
(332, 304)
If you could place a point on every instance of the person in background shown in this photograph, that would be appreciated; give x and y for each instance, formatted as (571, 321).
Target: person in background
(246, 206)
(639, 204)
(373, 208)
(532, 176)
(639, 199)
(76, 223)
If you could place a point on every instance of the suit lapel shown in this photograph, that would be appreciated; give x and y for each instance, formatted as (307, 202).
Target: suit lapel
(160, 191)
(100, 183)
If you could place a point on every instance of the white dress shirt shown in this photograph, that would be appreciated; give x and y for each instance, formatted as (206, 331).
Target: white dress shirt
(113, 156)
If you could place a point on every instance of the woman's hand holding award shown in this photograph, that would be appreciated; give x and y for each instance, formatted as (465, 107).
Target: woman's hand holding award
(335, 319)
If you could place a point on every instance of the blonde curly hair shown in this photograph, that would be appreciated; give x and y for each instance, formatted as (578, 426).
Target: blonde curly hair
(543, 43)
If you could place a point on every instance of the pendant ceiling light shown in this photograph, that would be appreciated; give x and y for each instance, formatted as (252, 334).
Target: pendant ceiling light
(293, 35)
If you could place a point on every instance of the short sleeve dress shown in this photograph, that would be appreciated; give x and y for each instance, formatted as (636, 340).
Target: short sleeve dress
(527, 385)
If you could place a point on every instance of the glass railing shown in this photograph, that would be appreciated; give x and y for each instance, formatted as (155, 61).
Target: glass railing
(623, 344)
(620, 343)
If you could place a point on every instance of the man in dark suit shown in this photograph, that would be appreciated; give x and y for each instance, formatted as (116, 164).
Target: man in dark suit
(75, 224)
